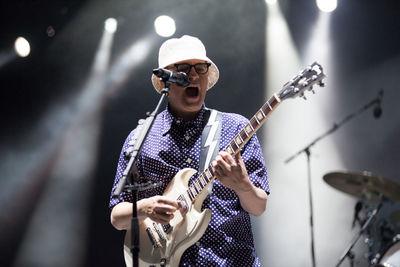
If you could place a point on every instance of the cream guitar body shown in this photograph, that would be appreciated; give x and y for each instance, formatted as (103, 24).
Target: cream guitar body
(164, 245)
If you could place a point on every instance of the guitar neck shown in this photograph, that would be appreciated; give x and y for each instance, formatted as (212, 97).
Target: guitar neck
(207, 176)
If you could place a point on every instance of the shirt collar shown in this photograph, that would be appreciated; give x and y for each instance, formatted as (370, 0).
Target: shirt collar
(169, 120)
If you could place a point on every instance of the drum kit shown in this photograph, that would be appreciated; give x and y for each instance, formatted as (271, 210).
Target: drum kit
(376, 197)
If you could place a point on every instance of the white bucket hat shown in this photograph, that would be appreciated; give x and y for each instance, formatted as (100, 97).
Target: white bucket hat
(185, 48)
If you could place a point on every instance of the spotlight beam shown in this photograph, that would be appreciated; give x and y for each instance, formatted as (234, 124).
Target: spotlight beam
(60, 220)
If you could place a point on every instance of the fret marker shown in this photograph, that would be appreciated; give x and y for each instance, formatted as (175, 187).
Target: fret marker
(238, 140)
(260, 116)
(248, 129)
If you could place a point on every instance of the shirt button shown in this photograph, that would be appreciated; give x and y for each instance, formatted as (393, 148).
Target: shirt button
(189, 160)
(187, 137)
(178, 121)
(198, 243)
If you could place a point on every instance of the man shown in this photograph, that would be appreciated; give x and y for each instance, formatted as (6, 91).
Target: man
(174, 143)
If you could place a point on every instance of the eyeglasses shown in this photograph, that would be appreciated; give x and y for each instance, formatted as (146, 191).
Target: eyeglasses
(200, 68)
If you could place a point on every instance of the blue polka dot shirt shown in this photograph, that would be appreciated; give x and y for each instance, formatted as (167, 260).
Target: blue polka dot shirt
(174, 144)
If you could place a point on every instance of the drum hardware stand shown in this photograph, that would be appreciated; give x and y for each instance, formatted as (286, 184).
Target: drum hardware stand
(306, 150)
(348, 252)
(378, 256)
(130, 177)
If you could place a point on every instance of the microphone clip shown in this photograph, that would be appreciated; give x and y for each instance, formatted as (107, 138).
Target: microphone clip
(168, 77)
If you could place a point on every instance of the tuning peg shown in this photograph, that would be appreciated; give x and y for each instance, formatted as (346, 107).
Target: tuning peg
(313, 92)
(304, 97)
(322, 84)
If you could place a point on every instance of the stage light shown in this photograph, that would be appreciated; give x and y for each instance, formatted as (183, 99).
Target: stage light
(164, 26)
(50, 31)
(22, 47)
(327, 5)
(110, 25)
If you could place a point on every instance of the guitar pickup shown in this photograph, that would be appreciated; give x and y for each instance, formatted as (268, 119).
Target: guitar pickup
(159, 232)
(151, 237)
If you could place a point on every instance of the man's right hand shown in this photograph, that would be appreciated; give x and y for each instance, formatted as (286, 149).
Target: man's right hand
(158, 208)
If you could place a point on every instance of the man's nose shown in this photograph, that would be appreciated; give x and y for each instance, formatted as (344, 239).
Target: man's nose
(193, 74)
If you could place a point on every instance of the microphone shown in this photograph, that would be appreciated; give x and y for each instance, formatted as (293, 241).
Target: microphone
(378, 109)
(180, 78)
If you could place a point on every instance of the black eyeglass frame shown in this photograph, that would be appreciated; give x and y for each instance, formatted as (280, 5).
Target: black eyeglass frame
(194, 65)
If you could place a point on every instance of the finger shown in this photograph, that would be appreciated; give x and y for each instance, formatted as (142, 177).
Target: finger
(161, 217)
(222, 164)
(165, 216)
(165, 208)
(166, 201)
(216, 167)
(228, 159)
(238, 158)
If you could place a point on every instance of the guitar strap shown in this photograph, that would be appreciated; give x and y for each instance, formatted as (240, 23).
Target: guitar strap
(210, 140)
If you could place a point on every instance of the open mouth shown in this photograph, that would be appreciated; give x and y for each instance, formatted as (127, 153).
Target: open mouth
(192, 91)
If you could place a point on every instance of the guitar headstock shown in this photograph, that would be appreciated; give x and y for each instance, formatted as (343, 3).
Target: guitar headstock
(305, 80)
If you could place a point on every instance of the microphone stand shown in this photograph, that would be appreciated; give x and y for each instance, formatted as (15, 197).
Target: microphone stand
(306, 150)
(130, 177)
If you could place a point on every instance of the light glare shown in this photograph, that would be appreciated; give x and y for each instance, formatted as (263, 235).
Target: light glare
(22, 47)
(164, 26)
(327, 5)
(270, 2)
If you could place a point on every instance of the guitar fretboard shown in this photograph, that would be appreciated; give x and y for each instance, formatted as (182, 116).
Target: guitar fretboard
(234, 146)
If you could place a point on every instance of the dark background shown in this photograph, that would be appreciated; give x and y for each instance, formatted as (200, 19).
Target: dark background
(365, 38)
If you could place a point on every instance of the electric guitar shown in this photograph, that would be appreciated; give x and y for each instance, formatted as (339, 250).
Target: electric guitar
(163, 245)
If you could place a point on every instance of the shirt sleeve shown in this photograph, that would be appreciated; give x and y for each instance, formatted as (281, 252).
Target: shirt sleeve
(122, 163)
(255, 164)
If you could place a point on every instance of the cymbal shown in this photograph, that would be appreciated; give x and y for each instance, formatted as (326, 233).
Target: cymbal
(364, 185)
